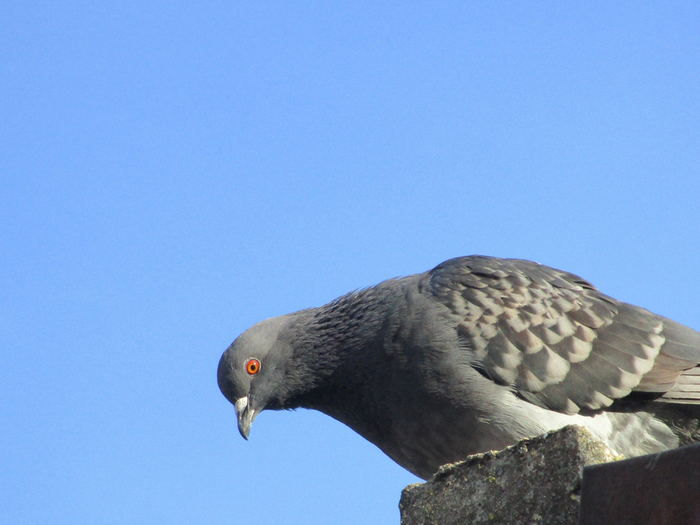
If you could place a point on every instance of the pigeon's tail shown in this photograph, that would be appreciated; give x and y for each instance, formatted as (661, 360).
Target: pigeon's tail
(687, 388)
(679, 408)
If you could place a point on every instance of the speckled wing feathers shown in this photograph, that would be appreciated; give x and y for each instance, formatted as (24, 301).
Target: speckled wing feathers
(556, 339)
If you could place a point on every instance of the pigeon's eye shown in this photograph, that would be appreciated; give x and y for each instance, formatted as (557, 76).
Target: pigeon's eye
(252, 366)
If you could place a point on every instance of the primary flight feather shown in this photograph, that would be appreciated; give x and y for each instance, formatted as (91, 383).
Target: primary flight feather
(471, 356)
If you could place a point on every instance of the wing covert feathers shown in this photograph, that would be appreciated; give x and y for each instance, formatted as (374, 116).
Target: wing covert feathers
(558, 341)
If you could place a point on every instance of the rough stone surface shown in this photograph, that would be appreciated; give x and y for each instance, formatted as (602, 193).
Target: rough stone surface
(537, 481)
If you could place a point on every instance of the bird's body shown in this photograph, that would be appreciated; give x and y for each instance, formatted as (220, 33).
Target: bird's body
(474, 355)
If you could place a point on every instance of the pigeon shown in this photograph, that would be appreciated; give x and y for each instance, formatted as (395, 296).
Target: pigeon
(471, 356)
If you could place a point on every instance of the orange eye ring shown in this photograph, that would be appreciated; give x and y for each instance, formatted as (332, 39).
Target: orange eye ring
(252, 366)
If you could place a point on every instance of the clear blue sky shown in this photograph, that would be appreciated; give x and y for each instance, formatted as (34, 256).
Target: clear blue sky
(173, 172)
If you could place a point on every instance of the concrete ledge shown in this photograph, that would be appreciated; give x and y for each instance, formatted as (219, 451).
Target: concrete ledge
(536, 481)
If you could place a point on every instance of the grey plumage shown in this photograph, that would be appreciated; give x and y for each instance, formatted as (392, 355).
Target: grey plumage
(473, 356)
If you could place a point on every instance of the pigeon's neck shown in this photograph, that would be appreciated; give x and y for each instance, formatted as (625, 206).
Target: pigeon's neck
(342, 345)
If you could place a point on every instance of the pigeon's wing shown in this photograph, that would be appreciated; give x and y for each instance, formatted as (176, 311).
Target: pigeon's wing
(558, 341)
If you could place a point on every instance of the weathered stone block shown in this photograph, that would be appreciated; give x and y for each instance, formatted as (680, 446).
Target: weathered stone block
(537, 481)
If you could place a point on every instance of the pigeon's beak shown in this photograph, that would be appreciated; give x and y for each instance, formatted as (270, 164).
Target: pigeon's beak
(246, 415)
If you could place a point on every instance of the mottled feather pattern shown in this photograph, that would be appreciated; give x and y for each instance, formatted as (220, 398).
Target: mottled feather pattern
(554, 338)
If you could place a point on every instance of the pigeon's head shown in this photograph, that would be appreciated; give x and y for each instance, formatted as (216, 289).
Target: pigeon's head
(253, 371)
